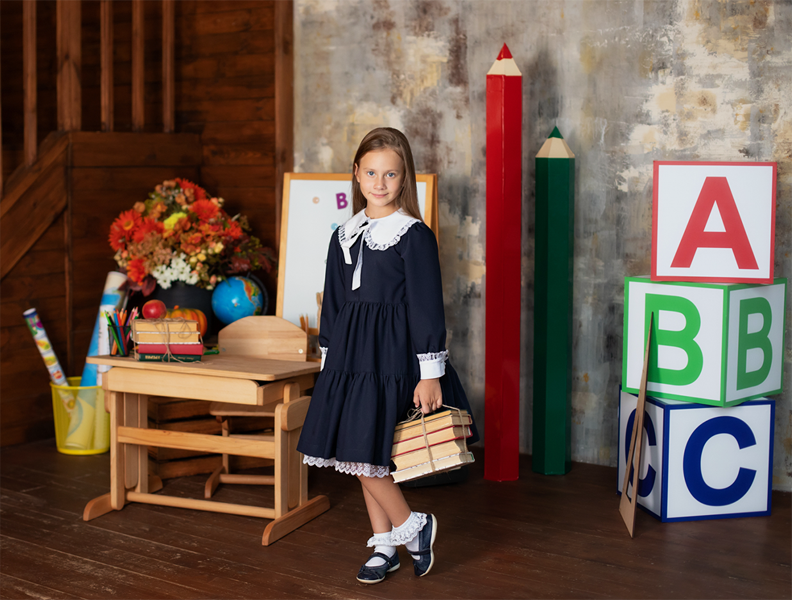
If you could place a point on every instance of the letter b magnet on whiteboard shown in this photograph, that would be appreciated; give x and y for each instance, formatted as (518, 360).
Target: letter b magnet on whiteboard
(713, 222)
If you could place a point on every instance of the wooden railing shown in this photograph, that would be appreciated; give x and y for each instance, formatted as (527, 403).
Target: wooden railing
(69, 89)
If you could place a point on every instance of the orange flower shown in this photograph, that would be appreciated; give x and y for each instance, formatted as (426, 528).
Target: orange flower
(147, 226)
(128, 220)
(194, 238)
(155, 212)
(204, 209)
(198, 191)
(136, 270)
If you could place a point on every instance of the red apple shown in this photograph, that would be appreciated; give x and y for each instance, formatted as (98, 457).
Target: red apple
(154, 309)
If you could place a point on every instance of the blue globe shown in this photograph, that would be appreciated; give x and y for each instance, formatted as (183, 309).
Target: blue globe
(237, 297)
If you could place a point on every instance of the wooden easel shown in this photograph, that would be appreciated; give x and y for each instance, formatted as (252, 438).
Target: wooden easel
(626, 505)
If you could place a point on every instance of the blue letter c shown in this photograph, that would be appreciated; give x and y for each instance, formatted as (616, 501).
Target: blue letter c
(646, 484)
(691, 462)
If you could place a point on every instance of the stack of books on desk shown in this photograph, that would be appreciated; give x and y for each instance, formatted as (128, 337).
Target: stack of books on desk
(166, 340)
(446, 434)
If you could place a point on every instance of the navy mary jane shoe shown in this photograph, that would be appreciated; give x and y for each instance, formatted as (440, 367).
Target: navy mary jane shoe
(377, 574)
(426, 537)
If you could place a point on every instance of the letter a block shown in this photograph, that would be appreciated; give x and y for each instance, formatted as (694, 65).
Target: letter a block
(713, 222)
(700, 462)
(716, 344)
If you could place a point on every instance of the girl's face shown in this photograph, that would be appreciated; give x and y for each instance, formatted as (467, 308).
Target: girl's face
(380, 175)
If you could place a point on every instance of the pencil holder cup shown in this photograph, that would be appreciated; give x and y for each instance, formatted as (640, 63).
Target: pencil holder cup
(82, 425)
(114, 349)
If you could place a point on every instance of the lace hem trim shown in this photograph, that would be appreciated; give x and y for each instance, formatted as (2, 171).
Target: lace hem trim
(380, 539)
(409, 529)
(396, 238)
(351, 468)
(433, 356)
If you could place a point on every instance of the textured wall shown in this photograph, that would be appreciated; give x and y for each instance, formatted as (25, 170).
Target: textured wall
(627, 82)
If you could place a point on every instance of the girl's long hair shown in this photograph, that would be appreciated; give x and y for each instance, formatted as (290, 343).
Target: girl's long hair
(380, 139)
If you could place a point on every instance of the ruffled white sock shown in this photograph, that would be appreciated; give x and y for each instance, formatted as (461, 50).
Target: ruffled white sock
(381, 542)
(406, 534)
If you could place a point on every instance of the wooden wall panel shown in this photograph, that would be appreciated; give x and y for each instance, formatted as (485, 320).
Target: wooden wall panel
(37, 281)
(225, 82)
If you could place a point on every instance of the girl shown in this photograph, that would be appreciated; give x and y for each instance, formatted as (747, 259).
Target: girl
(383, 347)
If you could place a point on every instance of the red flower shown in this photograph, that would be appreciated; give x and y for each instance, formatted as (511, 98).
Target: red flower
(204, 209)
(118, 238)
(239, 265)
(136, 270)
(147, 226)
(234, 231)
(198, 192)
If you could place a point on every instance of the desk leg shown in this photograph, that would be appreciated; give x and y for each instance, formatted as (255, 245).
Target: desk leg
(303, 480)
(281, 468)
(294, 459)
(117, 454)
(131, 419)
(142, 451)
(101, 505)
(294, 519)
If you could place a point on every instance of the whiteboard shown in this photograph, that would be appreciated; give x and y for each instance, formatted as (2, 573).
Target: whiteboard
(314, 205)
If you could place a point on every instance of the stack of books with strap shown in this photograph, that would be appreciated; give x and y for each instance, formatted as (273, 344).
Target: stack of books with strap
(166, 340)
(436, 443)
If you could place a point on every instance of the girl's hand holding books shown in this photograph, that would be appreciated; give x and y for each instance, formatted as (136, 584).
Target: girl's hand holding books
(428, 395)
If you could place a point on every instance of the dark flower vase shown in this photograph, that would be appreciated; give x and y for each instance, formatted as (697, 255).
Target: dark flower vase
(189, 296)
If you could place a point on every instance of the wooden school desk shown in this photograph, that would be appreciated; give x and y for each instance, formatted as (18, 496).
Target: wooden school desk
(273, 385)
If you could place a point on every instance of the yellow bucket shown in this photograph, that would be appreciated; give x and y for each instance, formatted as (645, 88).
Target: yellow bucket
(82, 425)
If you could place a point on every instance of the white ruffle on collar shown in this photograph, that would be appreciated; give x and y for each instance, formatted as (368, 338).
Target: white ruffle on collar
(378, 234)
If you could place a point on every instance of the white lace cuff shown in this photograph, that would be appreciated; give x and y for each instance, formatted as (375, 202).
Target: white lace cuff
(324, 356)
(433, 364)
(409, 529)
(380, 539)
(351, 468)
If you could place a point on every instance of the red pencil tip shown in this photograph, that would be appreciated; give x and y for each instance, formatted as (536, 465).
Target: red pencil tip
(504, 53)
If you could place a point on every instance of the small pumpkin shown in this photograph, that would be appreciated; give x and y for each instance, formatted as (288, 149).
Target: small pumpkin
(191, 314)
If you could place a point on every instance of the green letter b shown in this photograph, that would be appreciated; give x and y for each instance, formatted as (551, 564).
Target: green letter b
(759, 339)
(683, 339)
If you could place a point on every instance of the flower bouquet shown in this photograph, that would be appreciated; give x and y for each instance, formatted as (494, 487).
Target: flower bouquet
(181, 234)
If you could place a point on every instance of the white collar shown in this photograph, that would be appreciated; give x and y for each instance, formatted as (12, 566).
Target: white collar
(382, 233)
(378, 234)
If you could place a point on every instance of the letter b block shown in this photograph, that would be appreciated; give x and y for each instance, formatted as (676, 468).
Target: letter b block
(701, 462)
(716, 344)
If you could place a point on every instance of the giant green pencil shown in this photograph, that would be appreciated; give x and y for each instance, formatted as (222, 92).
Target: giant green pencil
(555, 229)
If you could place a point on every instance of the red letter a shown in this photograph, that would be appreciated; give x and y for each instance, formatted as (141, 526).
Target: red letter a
(715, 190)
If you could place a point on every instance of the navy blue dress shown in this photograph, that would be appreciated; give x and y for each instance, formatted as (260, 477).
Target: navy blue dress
(378, 341)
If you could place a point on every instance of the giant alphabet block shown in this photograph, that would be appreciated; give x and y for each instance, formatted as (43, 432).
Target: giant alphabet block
(713, 222)
(701, 462)
(716, 344)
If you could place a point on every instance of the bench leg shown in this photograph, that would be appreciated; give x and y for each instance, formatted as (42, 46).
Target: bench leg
(284, 525)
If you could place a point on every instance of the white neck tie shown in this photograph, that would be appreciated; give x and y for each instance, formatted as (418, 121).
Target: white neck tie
(348, 257)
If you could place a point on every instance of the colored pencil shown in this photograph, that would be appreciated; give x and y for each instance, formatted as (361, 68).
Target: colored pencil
(111, 327)
(504, 206)
(552, 380)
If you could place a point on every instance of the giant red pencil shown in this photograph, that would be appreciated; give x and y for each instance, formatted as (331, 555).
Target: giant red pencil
(504, 199)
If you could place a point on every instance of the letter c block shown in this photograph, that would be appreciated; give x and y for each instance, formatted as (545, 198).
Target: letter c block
(703, 462)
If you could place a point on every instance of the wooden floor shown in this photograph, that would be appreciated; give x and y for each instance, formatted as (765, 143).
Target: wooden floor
(539, 537)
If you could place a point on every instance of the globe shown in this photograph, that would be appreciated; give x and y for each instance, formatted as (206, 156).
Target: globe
(237, 297)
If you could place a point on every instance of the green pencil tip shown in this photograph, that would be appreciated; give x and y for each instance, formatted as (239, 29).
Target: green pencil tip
(556, 134)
